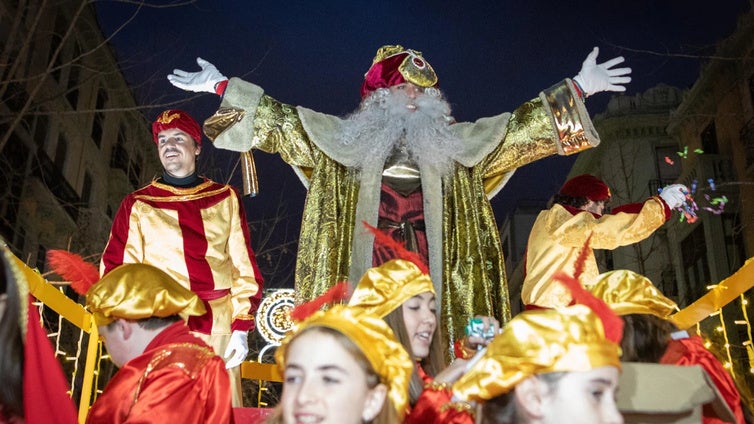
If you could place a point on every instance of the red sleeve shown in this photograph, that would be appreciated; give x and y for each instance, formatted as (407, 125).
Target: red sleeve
(691, 351)
(635, 208)
(434, 406)
(116, 244)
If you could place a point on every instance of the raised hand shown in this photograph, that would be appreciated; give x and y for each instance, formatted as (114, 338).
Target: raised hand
(594, 78)
(204, 81)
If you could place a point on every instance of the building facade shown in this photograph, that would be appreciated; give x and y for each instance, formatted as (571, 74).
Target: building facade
(73, 142)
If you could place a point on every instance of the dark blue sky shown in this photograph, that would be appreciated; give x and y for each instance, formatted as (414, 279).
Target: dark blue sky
(490, 57)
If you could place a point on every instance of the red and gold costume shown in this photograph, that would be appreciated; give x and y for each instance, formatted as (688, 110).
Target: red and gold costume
(199, 236)
(559, 234)
(462, 242)
(178, 379)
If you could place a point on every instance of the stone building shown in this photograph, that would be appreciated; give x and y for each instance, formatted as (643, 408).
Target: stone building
(73, 142)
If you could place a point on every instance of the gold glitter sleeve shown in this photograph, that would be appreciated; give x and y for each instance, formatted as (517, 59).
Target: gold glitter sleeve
(249, 119)
(554, 122)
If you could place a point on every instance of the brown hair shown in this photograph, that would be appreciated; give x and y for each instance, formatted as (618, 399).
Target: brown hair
(502, 409)
(432, 364)
(645, 337)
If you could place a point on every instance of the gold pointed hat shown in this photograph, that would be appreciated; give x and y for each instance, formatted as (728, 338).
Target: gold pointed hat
(627, 292)
(384, 288)
(538, 342)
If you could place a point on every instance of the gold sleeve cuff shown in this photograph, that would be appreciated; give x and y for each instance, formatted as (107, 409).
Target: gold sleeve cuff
(459, 407)
(436, 386)
(224, 118)
(570, 119)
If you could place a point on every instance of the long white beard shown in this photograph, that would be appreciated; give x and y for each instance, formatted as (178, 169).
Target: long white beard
(383, 120)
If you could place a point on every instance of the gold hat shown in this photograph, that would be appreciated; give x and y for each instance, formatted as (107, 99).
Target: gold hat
(538, 342)
(627, 292)
(374, 338)
(384, 288)
(138, 291)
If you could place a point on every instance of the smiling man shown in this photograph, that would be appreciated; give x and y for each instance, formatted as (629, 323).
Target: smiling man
(195, 230)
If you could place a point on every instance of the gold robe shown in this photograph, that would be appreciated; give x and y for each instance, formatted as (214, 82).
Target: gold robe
(558, 235)
(465, 252)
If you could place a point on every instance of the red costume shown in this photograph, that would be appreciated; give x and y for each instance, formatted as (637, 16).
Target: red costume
(691, 351)
(178, 379)
(199, 236)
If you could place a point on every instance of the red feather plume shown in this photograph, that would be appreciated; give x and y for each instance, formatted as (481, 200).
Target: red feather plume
(336, 293)
(611, 322)
(72, 267)
(383, 239)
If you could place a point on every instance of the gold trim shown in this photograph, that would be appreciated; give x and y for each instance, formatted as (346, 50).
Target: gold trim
(182, 194)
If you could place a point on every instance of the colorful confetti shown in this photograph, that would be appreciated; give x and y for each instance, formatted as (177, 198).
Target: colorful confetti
(669, 161)
(711, 184)
(685, 153)
(698, 151)
(693, 187)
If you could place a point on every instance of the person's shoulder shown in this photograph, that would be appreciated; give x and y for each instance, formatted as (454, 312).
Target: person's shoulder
(186, 357)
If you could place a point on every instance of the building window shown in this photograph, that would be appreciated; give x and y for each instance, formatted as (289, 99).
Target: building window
(41, 258)
(60, 153)
(86, 190)
(695, 264)
(74, 72)
(668, 164)
(119, 157)
(13, 159)
(99, 118)
(41, 130)
(709, 139)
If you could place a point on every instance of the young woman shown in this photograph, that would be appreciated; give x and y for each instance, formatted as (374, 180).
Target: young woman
(342, 366)
(402, 292)
(547, 366)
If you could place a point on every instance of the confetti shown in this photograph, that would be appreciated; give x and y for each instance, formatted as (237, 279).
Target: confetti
(684, 154)
(711, 184)
(693, 187)
(698, 151)
(669, 161)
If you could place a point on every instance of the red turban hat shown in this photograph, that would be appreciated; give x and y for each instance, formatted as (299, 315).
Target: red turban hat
(174, 118)
(587, 186)
(393, 65)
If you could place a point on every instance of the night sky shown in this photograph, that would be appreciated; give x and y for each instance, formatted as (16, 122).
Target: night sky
(490, 57)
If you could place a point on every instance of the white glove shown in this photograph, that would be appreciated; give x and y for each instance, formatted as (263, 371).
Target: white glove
(238, 347)
(674, 195)
(203, 81)
(593, 78)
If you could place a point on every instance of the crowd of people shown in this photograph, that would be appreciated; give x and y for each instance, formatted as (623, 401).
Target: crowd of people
(398, 213)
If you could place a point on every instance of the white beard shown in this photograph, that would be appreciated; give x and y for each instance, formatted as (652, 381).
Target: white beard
(383, 121)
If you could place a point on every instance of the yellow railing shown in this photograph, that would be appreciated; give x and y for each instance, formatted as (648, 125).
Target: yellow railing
(76, 315)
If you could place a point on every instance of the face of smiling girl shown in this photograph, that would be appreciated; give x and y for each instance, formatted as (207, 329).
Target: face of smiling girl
(421, 321)
(324, 383)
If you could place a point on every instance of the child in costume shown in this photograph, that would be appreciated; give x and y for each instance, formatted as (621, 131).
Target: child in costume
(342, 366)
